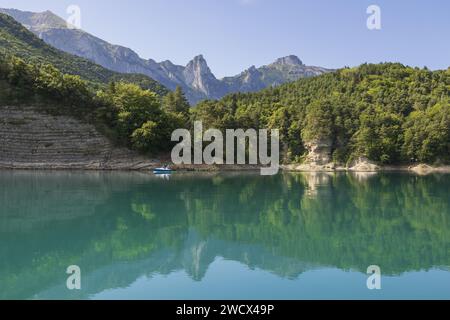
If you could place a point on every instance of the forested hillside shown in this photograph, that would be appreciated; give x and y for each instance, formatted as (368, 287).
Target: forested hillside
(133, 110)
(18, 41)
(137, 118)
(388, 113)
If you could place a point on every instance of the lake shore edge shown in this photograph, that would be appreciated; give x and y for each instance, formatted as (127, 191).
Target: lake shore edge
(150, 165)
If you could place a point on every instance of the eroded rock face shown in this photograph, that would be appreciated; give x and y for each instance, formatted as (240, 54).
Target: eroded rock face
(422, 169)
(363, 164)
(319, 152)
(32, 139)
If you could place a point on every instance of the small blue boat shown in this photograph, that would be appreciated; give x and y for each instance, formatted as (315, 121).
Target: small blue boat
(162, 171)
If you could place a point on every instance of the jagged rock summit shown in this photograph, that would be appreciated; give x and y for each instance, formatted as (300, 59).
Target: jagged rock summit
(289, 60)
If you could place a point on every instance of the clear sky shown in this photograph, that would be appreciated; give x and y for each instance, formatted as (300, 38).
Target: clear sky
(235, 34)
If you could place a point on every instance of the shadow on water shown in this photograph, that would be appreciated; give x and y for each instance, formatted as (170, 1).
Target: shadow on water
(120, 226)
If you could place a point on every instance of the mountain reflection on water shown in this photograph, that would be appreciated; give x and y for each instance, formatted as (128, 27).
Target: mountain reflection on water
(119, 227)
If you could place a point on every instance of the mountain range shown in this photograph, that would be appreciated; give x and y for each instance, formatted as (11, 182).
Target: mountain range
(196, 78)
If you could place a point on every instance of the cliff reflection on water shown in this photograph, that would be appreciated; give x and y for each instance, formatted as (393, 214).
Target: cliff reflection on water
(121, 226)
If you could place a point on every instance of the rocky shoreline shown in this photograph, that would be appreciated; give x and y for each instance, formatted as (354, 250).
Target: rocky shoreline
(419, 169)
(319, 160)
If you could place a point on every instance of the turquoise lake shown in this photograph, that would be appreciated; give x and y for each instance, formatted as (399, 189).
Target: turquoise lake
(223, 235)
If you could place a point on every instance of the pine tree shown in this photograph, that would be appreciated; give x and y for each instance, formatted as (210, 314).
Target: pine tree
(176, 102)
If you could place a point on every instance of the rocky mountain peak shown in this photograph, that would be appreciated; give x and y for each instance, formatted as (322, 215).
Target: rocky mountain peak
(289, 60)
(166, 63)
(251, 80)
(199, 64)
(251, 74)
(36, 21)
(199, 76)
(198, 67)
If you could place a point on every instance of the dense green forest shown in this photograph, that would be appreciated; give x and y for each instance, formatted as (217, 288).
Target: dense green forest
(387, 112)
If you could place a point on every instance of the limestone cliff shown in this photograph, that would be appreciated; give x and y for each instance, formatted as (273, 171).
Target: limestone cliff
(319, 152)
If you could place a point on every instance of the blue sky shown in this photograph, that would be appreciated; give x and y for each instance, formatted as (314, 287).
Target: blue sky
(235, 34)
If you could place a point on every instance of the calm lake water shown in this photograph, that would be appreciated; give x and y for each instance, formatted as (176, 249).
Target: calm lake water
(223, 236)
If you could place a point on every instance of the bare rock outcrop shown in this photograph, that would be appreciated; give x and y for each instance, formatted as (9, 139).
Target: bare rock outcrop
(318, 158)
(424, 169)
(364, 165)
(319, 152)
